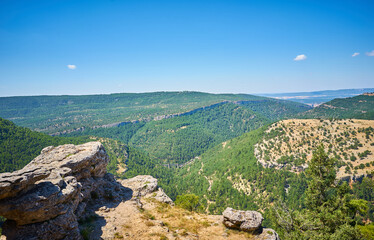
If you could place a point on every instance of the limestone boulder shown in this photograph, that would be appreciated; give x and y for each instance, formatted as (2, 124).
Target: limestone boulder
(248, 221)
(141, 184)
(146, 185)
(161, 196)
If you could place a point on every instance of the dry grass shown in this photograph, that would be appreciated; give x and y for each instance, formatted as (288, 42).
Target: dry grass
(162, 221)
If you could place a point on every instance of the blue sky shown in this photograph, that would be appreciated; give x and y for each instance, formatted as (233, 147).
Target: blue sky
(212, 46)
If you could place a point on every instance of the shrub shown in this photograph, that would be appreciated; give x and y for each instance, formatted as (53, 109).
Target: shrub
(187, 201)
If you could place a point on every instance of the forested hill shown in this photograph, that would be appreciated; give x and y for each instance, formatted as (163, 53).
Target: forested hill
(19, 145)
(182, 137)
(360, 107)
(228, 175)
(51, 114)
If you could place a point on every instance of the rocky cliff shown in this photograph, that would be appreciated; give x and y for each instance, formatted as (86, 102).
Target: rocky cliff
(65, 193)
(45, 199)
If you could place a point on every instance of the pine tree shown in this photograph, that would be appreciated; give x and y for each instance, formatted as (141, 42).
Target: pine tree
(330, 209)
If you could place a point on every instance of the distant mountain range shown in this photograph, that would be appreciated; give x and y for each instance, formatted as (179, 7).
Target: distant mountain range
(318, 97)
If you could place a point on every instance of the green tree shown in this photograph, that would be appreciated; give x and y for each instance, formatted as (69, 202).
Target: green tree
(330, 211)
(187, 201)
(322, 173)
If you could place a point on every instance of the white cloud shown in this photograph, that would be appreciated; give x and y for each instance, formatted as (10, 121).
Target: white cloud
(355, 54)
(370, 54)
(72, 67)
(300, 57)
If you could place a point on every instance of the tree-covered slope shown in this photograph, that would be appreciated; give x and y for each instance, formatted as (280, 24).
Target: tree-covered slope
(228, 175)
(182, 138)
(52, 114)
(274, 109)
(179, 138)
(19, 145)
(360, 107)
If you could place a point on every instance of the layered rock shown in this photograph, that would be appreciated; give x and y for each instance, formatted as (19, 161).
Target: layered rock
(45, 199)
(248, 221)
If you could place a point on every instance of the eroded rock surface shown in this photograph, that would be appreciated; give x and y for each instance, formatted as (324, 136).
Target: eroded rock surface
(45, 199)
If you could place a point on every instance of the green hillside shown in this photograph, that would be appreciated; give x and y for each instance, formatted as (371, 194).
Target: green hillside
(52, 114)
(229, 175)
(274, 109)
(182, 137)
(19, 145)
(360, 107)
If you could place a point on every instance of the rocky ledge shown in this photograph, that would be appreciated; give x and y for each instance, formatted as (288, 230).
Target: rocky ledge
(45, 199)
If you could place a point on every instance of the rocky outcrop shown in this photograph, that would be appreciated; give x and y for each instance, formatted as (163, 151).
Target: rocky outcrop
(145, 185)
(45, 199)
(248, 221)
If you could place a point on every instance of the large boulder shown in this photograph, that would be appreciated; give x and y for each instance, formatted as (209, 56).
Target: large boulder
(141, 184)
(45, 199)
(248, 221)
(146, 186)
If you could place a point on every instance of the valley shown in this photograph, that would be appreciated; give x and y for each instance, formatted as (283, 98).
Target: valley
(240, 151)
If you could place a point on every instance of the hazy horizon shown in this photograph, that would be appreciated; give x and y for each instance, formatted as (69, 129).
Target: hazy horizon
(259, 94)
